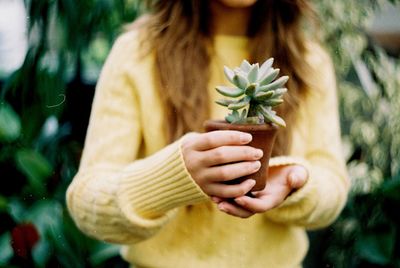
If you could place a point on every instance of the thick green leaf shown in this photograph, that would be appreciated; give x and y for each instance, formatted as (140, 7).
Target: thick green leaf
(36, 168)
(265, 67)
(224, 102)
(264, 95)
(279, 92)
(273, 102)
(229, 91)
(270, 116)
(252, 120)
(10, 123)
(240, 81)
(275, 85)
(253, 74)
(239, 104)
(245, 66)
(269, 77)
(250, 90)
(229, 74)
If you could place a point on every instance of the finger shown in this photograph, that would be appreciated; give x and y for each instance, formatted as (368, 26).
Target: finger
(230, 154)
(219, 138)
(297, 177)
(231, 171)
(234, 210)
(230, 191)
(258, 205)
(216, 199)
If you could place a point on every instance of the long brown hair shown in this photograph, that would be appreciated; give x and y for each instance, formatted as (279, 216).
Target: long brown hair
(179, 34)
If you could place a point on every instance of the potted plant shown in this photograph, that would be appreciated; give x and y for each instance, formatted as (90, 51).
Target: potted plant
(251, 100)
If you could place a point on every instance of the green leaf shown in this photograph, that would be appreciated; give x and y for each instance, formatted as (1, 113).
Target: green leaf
(250, 90)
(245, 66)
(230, 118)
(273, 102)
(264, 95)
(255, 120)
(233, 117)
(253, 74)
(36, 168)
(265, 67)
(229, 74)
(276, 84)
(270, 116)
(269, 77)
(240, 81)
(229, 91)
(10, 123)
(243, 114)
(224, 102)
(279, 92)
(239, 104)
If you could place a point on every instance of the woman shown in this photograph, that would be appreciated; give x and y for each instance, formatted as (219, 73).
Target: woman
(144, 183)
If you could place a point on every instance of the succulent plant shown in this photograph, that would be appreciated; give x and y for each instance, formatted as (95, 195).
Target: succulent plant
(256, 91)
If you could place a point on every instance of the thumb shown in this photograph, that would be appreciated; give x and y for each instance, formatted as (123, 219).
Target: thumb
(297, 177)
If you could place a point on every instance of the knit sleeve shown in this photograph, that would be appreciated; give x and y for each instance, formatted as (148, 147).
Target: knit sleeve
(116, 197)
(321, 199)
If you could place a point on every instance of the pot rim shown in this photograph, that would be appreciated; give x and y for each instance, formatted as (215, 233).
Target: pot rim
(223, 125)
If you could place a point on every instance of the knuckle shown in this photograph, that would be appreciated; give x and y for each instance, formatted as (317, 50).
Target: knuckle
(223, 173)
(234, 137)
(218, 155)
(207, 140)
(224, 193)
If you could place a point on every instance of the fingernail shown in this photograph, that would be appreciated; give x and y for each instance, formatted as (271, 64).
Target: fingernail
(221, 207)
(214, 199)
(256, 165)
(239, 201)
(252, 182)
(294, 177)
(259, 153)
(245, 138)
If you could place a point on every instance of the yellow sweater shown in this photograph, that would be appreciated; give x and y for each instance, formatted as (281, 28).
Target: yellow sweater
(133, 189)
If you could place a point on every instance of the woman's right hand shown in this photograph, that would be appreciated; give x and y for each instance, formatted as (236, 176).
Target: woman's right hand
(215, 157)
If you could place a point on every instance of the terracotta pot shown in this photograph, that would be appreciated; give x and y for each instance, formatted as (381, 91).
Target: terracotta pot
(263, 138)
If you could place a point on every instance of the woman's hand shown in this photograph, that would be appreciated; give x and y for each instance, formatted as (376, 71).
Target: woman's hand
(282, 180)
(215, 157)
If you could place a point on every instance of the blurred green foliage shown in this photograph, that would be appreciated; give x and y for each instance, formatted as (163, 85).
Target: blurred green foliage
(44, 108)
(42, 104)
(367, 234)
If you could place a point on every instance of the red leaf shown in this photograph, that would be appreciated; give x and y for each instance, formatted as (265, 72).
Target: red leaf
(23, 239)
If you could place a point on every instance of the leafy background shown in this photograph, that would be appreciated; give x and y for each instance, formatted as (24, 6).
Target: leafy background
(44, 110)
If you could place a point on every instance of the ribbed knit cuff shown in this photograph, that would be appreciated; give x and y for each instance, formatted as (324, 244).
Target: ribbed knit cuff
(153, 186)
(286, 160)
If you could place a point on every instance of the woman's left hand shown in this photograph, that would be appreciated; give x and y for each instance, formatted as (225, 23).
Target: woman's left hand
(282, 180)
